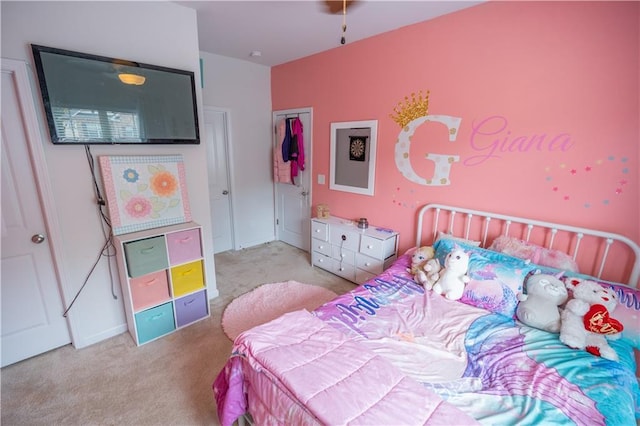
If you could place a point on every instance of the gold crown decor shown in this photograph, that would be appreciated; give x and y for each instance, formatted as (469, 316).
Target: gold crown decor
(409, 110)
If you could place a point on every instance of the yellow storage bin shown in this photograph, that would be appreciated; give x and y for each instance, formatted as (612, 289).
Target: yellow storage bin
(187, 278)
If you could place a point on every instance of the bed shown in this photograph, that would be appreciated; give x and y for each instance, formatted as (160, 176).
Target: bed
(391, 352)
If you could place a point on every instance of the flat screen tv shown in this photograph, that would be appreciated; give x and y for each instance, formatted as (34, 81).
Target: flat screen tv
(91, 99)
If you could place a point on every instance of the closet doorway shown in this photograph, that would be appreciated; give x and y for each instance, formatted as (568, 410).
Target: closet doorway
(293, 200)
(216, 122)
(32, 306)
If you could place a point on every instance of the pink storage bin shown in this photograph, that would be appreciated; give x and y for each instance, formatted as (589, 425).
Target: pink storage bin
(149, 290)
(184, 246)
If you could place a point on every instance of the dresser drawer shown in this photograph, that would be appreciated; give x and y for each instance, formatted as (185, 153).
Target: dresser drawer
(184, 246)
(187, 278)
(375, 266)
(155, 322)
(145, 256)
(344, 270)
(148, 290)
(191, 308)
(380, 249)
(319, 230)
(321, 246)
(344, 255)
(345, 238)
(322, 261)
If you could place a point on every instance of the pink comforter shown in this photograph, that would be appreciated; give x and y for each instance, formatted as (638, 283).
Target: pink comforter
(319, 375)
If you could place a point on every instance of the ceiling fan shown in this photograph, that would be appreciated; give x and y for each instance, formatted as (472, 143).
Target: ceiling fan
(340, 6)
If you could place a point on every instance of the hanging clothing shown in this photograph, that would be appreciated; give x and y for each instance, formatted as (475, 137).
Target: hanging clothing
(297, 148)
(286, 143)
(281, 168)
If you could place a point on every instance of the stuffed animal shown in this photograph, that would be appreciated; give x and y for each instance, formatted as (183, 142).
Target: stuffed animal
(453, 277)
(539, 307)
(429, 273)
(419, 258)
(586, 321)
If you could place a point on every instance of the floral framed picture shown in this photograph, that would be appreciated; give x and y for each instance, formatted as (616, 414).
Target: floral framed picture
(145, 192)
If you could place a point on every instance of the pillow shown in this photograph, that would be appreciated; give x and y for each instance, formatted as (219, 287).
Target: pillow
(442, 235)
(534, 253)
(495, 278)
(628, 309)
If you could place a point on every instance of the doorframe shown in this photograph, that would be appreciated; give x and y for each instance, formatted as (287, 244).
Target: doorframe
(309, 166)
(23, 76)
(230, 168)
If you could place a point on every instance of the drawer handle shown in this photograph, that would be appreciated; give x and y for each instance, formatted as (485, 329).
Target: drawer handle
(342, 255)
(369, 246)
(320, 246)
(187, 272)
(367, 264)
(185, 240)
(317, 231)
(341, 269)
(189, 302)
(150, 282)
(156, 317)
(147, 250)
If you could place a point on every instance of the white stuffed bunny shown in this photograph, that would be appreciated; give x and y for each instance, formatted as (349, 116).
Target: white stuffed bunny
(453, 277)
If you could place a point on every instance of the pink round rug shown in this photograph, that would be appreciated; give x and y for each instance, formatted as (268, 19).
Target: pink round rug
(269, 301)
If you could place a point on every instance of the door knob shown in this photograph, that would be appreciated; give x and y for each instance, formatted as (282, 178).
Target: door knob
(37, 238)
(304, 193)
(225, 192)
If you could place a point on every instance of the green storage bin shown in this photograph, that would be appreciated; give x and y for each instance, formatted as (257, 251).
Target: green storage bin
(146, 256)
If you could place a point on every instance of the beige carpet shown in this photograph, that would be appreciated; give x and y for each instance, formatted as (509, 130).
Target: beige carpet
(166, 382)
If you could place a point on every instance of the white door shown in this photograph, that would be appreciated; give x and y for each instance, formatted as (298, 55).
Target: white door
(32, 321)
(216, 124)
(293, 201)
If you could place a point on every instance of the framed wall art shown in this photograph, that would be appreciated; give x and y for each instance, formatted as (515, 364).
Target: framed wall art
(145, 192)
(353, 156)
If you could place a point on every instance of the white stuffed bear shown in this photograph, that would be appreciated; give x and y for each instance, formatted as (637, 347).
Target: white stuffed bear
(539, 307)
(586, 320)
(429, 273)
(453, 277)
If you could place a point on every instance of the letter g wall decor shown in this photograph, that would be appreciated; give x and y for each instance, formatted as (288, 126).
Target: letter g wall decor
(411, 115)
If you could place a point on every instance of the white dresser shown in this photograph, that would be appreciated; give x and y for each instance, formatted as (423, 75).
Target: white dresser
(340, 247)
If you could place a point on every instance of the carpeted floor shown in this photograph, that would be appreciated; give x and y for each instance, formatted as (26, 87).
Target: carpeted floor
(166, 382)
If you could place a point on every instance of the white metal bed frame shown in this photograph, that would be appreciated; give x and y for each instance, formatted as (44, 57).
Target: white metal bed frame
(576, 234)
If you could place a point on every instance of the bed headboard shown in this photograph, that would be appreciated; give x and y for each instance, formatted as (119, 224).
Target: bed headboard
(607, 256)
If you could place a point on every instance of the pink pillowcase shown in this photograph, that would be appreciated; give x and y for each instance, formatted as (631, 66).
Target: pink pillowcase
(534, 253)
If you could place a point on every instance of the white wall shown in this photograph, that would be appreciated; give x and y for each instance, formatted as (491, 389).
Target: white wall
(244, 89)
(159, 33)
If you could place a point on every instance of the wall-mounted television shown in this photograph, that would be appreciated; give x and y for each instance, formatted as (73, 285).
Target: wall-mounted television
(90, 99)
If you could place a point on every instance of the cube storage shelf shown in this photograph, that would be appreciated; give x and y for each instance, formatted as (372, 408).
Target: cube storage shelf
(163, 280)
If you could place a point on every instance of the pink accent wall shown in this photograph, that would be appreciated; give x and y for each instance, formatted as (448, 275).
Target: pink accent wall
(563, 75)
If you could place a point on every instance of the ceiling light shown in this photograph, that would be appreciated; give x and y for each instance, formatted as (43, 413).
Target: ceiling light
(255, 53)
(134, 79)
